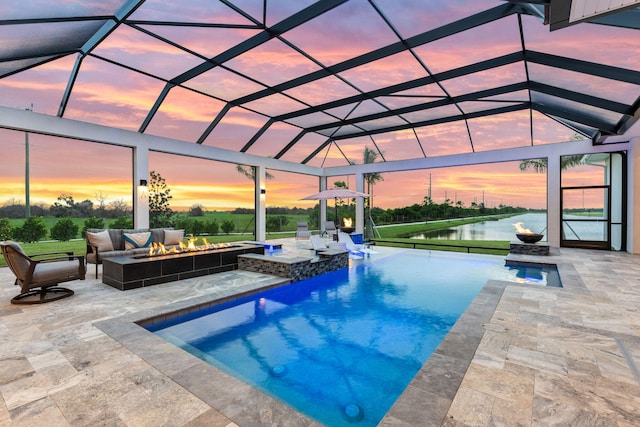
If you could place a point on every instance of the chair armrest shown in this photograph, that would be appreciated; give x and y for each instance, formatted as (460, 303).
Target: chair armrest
(52, 254)
(94, 250)
(60, 258)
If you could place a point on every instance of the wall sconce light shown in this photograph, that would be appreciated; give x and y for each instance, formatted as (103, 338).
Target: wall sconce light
(143, 182)
(263, 191)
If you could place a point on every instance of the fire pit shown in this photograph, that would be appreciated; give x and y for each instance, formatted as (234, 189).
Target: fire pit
(347, 226)
(525, 235)
(529, 237)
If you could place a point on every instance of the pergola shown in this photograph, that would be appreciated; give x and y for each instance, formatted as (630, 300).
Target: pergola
(330, 77)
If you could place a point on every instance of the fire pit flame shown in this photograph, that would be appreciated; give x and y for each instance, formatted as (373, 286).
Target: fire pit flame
(157, 249)
(525, 235)
(521, 230)
(347, 225)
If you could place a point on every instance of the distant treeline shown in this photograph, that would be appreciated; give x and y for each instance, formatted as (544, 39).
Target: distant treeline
(66, 207)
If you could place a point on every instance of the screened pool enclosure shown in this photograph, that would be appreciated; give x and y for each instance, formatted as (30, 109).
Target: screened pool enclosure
(303, 87)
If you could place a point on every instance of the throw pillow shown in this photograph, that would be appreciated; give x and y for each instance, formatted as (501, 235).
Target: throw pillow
(100, 239)
(173, 237)
(136, 240)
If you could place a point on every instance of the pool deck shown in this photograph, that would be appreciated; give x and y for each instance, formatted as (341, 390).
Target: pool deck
(521, 355)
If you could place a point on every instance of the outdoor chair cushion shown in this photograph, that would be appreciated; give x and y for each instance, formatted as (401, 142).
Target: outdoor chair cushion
(61, 270)
(100, 239)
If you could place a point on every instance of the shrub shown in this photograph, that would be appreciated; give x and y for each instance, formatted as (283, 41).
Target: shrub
(64, 230)
(183, 223)
(124, 222)
(5, 229)
(32, 230)
(275, 223)
(211, 227)
(227, 226)
(197, 227)
(92, 222)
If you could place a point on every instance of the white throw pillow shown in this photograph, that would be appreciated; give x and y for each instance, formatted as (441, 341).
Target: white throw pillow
(173, 237)
(136, 240)
(100, 239)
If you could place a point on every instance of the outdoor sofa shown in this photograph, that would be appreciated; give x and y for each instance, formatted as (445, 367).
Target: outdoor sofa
(105, 243)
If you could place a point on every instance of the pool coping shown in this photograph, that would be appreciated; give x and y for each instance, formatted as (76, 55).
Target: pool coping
(425, 401)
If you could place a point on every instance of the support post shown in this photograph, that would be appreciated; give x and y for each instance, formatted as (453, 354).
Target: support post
(260, 203)
(140, 187)
(360, 204)
(323, 204)
(633, 201)
(554, 215)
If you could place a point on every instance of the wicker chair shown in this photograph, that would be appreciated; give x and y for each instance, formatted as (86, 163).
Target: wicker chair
(39, 278)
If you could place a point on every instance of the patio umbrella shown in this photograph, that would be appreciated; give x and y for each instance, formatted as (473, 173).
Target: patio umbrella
(335, 194)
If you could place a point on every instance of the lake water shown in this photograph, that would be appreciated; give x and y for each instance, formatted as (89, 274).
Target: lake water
(490, 230)
(574, 227)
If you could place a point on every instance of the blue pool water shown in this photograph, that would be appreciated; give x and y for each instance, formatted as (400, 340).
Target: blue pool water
(343, 346)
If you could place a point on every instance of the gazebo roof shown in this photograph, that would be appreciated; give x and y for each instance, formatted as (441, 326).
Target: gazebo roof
(297, 80)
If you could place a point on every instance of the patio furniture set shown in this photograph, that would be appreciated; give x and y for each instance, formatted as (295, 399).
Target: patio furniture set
(128, 262)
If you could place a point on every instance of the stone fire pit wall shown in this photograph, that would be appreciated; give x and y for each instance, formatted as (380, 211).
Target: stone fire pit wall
(518, 247)
(129, 272)
(294, 268)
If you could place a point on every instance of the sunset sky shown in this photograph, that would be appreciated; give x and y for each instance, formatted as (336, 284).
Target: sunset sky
(110, 94)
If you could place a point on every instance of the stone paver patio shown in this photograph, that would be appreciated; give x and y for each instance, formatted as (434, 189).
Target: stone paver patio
(521, 355)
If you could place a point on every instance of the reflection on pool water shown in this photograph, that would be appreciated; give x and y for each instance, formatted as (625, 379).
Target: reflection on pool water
(343, 346)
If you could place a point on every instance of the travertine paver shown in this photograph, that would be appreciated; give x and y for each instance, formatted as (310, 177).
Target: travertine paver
(540, 357)
(576, 351)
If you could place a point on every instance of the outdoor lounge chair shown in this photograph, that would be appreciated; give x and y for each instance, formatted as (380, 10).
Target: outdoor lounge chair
(302, 230)
(352, 247)
(330, 229)
(38, 279)
(318, 243)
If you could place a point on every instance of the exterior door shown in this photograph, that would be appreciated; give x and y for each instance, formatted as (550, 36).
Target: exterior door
(594, 214)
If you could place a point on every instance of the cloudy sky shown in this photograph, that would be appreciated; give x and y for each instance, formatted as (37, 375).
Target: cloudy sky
(114, 95)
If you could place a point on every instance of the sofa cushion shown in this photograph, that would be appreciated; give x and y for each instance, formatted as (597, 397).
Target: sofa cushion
(101, 239)
(136, 240)
(173, 237)
(157, 235)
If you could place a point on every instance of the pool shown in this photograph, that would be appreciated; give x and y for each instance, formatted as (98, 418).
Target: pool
(343, 346)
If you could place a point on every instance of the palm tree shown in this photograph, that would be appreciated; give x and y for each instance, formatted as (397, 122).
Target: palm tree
(566, 162)
(250, 172)
(370, 156)
(541, 165)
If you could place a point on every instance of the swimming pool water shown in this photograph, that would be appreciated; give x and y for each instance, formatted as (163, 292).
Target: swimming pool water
(343, 346)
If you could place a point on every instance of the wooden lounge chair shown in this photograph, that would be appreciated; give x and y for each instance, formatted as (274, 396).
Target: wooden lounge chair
(38, 279)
